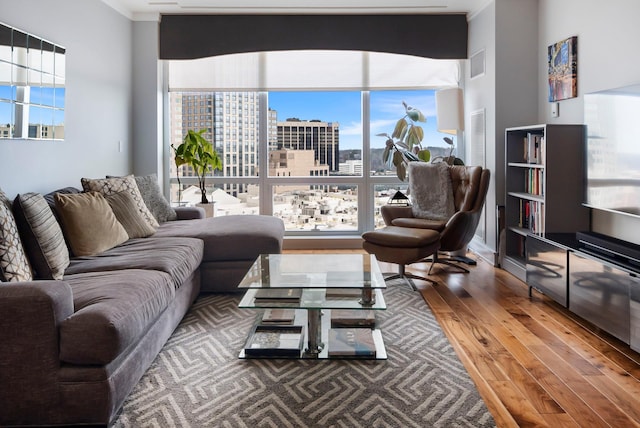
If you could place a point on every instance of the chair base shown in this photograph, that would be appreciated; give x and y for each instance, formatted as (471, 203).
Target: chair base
(451, 261)
(409, 277)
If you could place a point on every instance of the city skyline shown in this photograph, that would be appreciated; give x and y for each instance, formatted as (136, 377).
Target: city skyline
(345, 108)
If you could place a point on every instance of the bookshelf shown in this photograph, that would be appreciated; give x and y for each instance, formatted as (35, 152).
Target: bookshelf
(544, 173)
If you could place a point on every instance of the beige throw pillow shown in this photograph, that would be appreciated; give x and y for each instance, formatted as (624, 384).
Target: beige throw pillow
(109, 186)
(127, 213)
(89, 223)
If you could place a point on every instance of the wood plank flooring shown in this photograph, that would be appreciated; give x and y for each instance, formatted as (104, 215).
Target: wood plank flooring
(534, 362)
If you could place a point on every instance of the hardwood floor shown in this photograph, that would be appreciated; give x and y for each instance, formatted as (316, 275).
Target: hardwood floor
(534, 362)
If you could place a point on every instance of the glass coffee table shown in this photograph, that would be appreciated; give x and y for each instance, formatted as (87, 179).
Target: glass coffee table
(304, 289)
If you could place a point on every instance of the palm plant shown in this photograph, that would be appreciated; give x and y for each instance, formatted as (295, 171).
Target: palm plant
(196, 151)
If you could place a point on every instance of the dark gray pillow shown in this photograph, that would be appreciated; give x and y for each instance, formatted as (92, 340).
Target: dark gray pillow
(41, 235)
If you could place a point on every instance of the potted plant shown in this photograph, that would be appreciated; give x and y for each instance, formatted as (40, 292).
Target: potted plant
(199, 153)
(404, 145)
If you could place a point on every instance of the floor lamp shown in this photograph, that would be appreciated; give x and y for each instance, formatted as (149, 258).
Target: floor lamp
(450, 120)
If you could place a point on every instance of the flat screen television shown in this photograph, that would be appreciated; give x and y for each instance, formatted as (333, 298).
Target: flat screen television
(612, 151)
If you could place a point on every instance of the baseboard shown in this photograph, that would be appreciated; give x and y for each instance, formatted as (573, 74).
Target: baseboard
(484, 252)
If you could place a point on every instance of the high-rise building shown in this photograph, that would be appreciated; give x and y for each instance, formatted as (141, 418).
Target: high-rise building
(231, 120)
(321, 137)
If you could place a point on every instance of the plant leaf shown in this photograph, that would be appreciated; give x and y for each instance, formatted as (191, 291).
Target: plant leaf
(424, 155)
(401, 126)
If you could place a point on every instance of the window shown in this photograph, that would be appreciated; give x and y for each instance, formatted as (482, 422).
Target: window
(312, 158)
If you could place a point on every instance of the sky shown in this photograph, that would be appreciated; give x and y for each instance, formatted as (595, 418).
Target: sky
(345, 108)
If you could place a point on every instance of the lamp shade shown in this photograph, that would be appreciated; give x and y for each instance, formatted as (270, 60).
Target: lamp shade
(450, 110)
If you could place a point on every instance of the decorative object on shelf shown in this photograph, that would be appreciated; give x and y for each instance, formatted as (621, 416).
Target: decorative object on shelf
(275, 341)
(351, 342)
(450, 120)
(563, 69)
(399, 199)
(404, 144)
(197, 152)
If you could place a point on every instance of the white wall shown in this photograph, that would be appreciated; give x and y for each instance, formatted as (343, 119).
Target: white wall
(147, 101)
(98, 111)
(608, 33)
(507, 31)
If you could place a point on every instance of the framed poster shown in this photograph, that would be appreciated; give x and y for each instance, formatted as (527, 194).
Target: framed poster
(563, 69)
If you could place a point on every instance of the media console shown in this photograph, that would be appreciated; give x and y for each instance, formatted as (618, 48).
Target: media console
(609, 248)
(593, 275)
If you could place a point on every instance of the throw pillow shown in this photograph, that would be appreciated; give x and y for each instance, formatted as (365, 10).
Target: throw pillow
(153, 198)
(89, 223)
(431, 190)
(14, 265)
(126, 211)
(109, 186)
(4, 199)
(42, 236)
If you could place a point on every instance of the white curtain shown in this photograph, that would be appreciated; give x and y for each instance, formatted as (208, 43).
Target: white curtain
(312, 70)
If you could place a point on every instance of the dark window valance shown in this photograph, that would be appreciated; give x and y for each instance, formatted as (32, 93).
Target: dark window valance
(200, 36)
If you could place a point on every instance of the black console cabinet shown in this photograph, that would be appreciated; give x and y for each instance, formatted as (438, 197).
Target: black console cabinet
(601, 287)
(547, 269)
(600, 294)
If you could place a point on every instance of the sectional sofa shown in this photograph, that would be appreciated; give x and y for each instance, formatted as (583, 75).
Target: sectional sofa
(94, 282)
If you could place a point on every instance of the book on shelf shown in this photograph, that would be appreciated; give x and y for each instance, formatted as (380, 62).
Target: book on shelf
(353, 318)
(278, 294)
(533, 148)
(278, 316)
(351, 342)
(275, 341)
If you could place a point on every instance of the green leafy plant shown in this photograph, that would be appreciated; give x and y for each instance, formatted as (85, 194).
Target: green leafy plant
(404, 145)
(197, 152)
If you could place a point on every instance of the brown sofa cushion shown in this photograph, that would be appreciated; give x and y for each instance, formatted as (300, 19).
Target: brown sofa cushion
(113, 310)
(89, 223)
(178, 257)
(108, 186)
(127, 213)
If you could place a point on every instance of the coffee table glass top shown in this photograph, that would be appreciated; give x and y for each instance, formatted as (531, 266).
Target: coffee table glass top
(314, 271)
(308, 281)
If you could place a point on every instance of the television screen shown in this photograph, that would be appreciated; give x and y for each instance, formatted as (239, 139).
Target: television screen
(613, 150)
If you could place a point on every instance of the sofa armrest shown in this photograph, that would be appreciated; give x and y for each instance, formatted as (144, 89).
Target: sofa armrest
(31, 313)
(189, 213)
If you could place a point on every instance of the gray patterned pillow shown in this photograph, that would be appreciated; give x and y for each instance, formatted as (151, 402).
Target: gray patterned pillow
(14, 265)
(42, 236)
(109, 186)
(154, 199)
(4, 199)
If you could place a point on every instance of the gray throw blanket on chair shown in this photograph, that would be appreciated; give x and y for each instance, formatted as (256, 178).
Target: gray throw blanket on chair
(431, 190)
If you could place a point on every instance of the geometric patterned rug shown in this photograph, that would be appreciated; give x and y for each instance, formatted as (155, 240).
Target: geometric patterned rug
(198, 380)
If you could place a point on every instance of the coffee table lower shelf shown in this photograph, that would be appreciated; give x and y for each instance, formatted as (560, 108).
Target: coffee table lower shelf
(262, 333)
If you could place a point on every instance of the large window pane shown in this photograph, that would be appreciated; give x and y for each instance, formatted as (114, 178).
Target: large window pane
(231, 121)
(315, 134)
(327, 207)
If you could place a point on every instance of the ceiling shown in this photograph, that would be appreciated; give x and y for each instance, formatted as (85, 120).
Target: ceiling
(145, 10)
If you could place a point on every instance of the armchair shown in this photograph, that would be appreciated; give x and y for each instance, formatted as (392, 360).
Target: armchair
(470, 185)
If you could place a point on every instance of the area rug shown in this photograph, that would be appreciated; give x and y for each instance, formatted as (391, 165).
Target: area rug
(198, 380)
